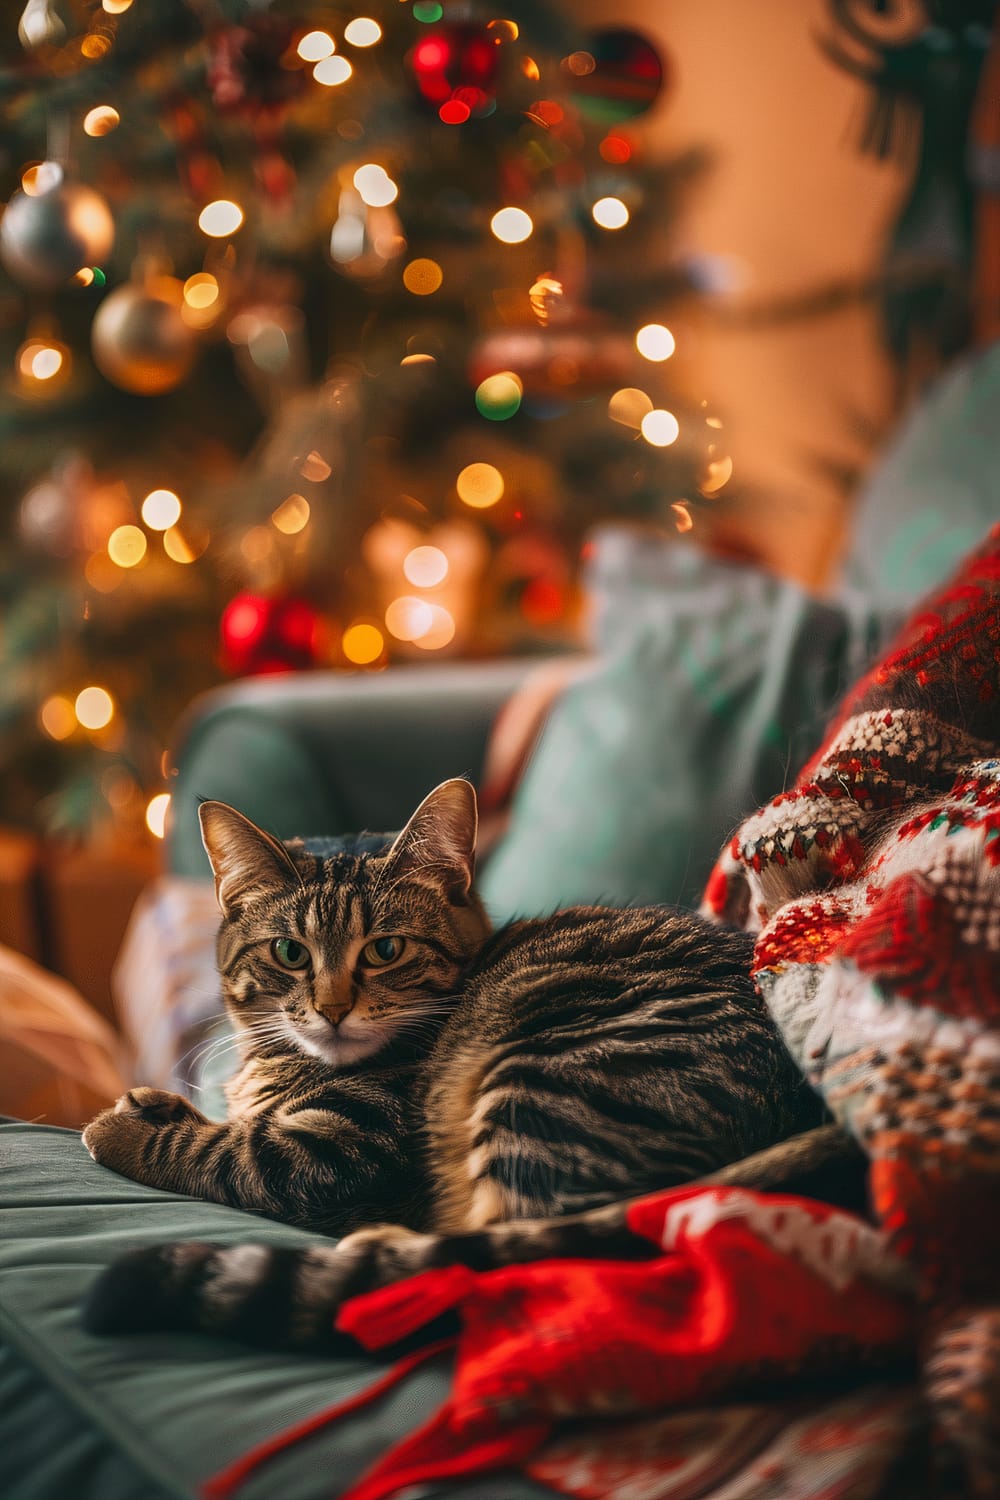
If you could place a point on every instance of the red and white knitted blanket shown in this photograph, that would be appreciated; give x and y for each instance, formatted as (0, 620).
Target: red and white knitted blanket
(705, 1372)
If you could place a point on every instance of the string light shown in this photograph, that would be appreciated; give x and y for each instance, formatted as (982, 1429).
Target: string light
(422, 277)
(184, 546)
(57, 717)
(428, 11)
(683, 519)
(220, 218)
(41, 361)
(498, 397)
(94, 708)
(116, 7)
(511, 225)
(101, 120)
(156, 814)
(479, 486)
(41, 177)
(127, 546)
(332, 71)
(316, 45)
(314, 467)
(610, 213)
(362, 32)
(201, 290)
(715, 475)
(362, 643)
(655, 343)
(375, 186)
(629, 406)
(425, 567)
(161, 509)
(408, 617)
(441, 632)
(292, 515)
(660, 428)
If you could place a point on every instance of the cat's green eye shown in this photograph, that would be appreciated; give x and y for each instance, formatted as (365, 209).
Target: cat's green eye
(290, 954)
(382, 951)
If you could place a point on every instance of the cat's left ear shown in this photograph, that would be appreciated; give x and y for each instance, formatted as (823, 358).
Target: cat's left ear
(440, 840)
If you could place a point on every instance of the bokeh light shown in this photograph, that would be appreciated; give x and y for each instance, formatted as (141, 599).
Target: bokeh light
(156, 814)
(610, 213)
(511, 225)
(94, 708)
(479, 486)
(441, 631)
(660, 428)
(628, 406)
(332, 71)
(127, 546)
(655, 342)
(375, 186)
(425, 567)
(422, 276)
(201, 290)
(220, 218)
(57, 717)
(101, 120)
(363, 31)
(316, 45)
(292, 515)
(161, 509)
(498, 397)
(408, 617)
(362, 643)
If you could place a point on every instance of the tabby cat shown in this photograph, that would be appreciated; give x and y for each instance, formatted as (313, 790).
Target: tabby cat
(401, 1061)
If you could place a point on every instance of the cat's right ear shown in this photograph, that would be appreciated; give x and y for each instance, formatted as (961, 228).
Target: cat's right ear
(247, 862)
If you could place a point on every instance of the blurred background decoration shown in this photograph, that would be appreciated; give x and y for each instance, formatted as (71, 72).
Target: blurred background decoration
(328, 331)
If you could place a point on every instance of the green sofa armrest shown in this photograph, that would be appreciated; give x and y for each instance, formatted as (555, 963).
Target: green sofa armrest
(329, 752)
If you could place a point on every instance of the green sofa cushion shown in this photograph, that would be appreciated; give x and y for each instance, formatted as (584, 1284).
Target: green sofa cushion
(153, 1416)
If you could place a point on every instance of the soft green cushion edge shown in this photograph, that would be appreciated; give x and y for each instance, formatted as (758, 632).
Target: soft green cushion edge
(174, 1409)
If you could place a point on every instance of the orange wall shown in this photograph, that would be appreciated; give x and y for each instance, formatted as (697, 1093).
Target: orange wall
(791, 203)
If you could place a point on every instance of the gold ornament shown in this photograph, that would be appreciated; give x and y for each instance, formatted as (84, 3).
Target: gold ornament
(139, 338)
(47, 236)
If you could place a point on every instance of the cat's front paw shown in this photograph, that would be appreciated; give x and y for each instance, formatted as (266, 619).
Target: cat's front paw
(157, 1106)
(118, 1136)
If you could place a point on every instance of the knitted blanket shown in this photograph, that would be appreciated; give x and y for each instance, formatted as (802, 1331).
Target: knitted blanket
(775, 1347)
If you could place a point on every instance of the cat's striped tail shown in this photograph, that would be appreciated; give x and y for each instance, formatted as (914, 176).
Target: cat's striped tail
(288, 1297)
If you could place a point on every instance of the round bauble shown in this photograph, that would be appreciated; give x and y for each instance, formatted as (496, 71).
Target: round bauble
(139, 338)
(623, 78)
(260, 634)
(456, 61)
(46, 237)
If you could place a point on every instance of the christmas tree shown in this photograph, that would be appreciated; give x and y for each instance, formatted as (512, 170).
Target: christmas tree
(329, 335)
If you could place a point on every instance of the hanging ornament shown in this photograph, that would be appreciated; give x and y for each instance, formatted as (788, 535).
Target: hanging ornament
(456, 65)
(618, 76)
(50, 233)
(260, 635)
(40, 25)
(139, 338)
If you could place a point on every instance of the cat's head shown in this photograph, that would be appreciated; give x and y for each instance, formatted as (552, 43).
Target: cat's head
(338, 955)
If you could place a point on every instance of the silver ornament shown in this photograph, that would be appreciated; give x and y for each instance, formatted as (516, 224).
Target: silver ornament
(46, 237)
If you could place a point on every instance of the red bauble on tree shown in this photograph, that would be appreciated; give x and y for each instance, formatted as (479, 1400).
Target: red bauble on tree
(260, 635)
(455, 66)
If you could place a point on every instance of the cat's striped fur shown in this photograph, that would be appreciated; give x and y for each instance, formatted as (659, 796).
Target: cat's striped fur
(466, 1080)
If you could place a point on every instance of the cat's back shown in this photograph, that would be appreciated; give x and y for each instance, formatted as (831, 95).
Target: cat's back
(599, 1052)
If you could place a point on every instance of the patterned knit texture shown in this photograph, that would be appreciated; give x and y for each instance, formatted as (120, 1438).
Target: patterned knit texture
(874, 885)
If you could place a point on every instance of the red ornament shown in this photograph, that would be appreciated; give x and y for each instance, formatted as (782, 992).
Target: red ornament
(260, 635)
(456, 63)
